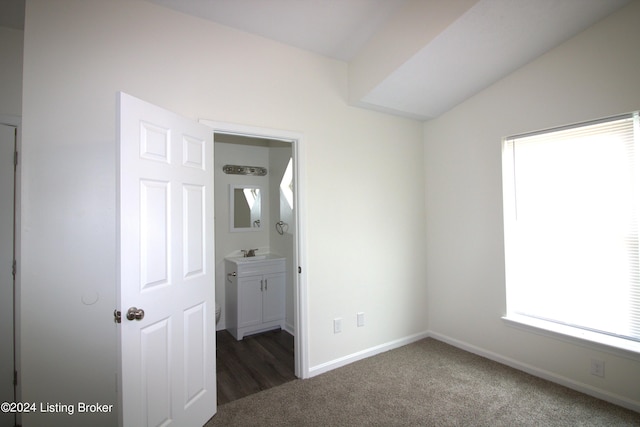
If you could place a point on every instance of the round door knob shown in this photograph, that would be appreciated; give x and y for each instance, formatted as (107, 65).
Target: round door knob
(135, 313)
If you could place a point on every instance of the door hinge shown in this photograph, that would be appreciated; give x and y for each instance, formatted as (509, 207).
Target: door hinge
(299, 270)
(117, 316)
(15, 378)
(14, 269)
(15, 151)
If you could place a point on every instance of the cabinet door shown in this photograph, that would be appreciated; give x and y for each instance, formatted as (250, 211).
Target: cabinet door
(274, 297)
(249, 301)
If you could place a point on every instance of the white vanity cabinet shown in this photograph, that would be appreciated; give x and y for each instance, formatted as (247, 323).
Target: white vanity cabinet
(255, 295)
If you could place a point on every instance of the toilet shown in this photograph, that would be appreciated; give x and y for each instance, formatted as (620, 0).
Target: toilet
(218, 309)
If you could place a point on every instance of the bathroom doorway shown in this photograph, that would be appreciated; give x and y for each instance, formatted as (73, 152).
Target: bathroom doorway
(279, 232)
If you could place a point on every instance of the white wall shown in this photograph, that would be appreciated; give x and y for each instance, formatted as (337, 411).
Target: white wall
(592, 75)
(365, 182)
(11, 71)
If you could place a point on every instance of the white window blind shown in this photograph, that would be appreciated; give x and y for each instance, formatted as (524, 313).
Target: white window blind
(572, 207)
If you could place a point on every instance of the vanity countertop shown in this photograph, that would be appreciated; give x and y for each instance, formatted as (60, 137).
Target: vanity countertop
(259, 264)
(257, 258)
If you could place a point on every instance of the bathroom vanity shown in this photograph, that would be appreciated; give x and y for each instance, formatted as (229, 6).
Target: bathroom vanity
(255, 294)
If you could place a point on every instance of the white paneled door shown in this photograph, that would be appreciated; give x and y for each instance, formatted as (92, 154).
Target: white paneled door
(166, 268)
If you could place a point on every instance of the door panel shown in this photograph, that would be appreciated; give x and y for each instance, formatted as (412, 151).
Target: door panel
(274, 297)
(194, 353)
(166, 268)
(249, 301)
(194, 228)
(156, 368)
(154, 233)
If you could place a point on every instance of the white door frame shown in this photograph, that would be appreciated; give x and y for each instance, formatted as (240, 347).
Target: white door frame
(301, 343)
(16, 122)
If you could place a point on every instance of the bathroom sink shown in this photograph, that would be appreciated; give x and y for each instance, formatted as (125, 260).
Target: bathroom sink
(252, 258)
(249, 258)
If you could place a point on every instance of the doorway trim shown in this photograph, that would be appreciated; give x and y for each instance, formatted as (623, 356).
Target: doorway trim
(301, 343)
(16, 122)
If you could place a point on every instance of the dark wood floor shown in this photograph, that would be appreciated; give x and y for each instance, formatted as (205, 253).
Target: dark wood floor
(256, 363)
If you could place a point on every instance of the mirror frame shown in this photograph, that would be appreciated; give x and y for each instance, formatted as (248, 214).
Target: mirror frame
(232, 190)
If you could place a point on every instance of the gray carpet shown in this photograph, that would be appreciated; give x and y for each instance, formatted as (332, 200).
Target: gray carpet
(427, 383)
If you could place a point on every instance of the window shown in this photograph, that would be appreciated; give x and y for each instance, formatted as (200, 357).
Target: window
(572, 208)
(286, 185)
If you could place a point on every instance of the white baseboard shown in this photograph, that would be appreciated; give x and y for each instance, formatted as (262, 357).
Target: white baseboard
(541, 373)
(288, 327)
(345, 360)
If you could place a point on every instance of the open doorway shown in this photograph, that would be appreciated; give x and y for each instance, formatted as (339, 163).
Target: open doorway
(275, 231)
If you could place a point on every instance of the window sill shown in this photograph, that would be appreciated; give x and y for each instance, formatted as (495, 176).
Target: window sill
(592, 340)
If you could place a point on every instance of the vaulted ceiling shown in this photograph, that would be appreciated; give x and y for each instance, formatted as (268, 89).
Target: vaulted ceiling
(415, 58)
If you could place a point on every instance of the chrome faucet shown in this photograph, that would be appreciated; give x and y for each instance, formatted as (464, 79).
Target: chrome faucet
(248, 253)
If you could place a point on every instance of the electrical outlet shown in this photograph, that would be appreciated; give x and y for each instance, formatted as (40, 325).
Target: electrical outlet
(337, 325)
(360, 319)
(597, 368)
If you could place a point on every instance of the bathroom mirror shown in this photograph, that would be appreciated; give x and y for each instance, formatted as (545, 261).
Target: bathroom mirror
(245, 207)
